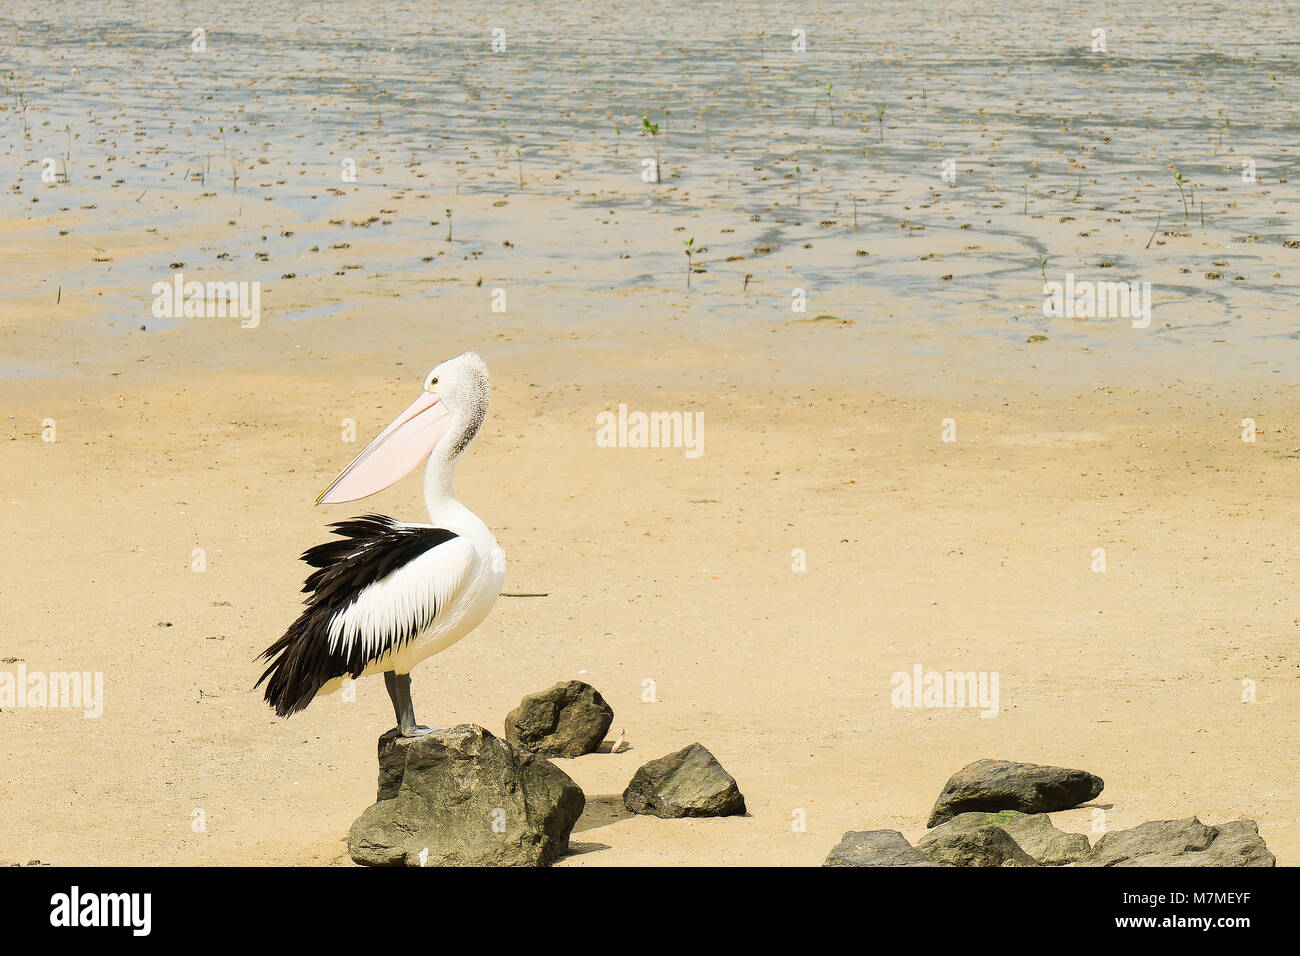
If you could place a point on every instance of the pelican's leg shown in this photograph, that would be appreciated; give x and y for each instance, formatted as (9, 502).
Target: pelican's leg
(399, 689)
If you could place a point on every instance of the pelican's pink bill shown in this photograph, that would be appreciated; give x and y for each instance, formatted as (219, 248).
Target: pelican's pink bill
(399, 450)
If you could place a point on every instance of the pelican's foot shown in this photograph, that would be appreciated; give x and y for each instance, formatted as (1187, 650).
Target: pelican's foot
(414, 731)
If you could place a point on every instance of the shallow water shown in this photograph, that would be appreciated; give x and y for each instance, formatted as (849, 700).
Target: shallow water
(1048, 140)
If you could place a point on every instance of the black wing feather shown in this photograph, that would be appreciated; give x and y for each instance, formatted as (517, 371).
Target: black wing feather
(371, 548)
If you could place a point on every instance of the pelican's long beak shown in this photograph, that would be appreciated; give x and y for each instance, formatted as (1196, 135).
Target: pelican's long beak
(398, 451)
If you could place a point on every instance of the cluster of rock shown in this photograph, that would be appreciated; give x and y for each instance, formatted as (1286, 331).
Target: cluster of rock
(994, 813)
(464, 797)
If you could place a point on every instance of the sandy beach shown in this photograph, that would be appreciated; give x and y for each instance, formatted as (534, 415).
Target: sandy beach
(159, 472)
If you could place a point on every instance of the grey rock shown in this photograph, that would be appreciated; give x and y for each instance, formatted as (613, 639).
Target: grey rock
(462, 797)
(688, 783)
(993, 785)
(567, 720)
(875, 848)
(1182, 843)
(1034, 833)
(976, 846)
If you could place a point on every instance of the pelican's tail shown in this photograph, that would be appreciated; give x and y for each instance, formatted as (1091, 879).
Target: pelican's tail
(292, 683)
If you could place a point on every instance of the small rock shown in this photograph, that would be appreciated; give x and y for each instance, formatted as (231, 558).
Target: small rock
(1033, 831)
(688, 783)
(977, 846)
(876, 848)
(462, 797)
(1182, 843)
(993, 785)
(567, 720)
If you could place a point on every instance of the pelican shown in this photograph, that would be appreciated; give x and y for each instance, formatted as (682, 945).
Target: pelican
(391, 593)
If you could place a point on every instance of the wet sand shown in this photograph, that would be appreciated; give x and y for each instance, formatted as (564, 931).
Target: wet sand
(972, 555)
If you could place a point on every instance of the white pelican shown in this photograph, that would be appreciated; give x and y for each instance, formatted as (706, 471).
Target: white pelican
(392, 593)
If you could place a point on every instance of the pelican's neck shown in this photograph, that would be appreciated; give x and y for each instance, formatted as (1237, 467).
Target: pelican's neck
(468, 410)
(440, 474)
(440, 480)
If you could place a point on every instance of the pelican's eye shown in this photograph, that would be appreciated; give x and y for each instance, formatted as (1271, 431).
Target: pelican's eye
(433, 380)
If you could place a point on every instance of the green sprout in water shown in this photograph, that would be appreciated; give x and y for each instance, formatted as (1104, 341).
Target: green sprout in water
(880, 117)
(448, 212)
(690, 259)
(653, 130)
(830, 103)
(798, 186)
(1178, 181)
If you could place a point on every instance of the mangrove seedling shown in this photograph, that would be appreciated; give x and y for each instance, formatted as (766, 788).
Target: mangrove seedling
(880, 117)
(690, 263)
(830, 103)
(448, 212)
(1024, 187)
(653, 130)
(798, 186)
(520, 160)
(1178, 181)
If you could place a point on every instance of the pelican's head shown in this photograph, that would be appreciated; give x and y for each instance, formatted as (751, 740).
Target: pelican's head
(454, 403)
